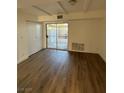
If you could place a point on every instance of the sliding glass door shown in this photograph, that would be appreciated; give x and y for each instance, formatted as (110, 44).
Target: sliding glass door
(51, 35)
(62, 36)
(57, 36)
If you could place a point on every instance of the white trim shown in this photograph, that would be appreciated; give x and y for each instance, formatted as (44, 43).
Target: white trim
(22, 59)
(104, 58)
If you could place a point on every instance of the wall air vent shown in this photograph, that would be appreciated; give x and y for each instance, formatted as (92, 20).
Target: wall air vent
(60, 17)
(78, 46)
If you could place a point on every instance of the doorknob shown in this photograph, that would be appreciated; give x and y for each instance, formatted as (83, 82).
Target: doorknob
(46, 36)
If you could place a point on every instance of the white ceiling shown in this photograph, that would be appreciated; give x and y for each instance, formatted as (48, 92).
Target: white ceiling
(52, 7)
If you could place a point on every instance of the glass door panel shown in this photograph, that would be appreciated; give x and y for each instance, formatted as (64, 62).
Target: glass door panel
(62, 36)
(51, 35)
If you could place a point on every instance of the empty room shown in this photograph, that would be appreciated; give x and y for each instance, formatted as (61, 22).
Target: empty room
(61, 46)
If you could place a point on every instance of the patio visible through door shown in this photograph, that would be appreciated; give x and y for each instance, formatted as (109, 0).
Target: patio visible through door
(57, 36)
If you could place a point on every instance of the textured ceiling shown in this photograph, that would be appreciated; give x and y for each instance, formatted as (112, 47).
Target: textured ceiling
(52, 7)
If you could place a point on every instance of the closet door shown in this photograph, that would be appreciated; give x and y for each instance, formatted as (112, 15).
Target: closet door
(30, 30)
(38, 38)
(34, 37)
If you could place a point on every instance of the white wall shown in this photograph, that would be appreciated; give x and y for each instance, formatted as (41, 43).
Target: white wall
(76, 15)
(102, 39)
(89, 32)
(22, 48)
(23, 29)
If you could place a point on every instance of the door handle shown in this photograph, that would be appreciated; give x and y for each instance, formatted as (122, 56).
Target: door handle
(46, 36)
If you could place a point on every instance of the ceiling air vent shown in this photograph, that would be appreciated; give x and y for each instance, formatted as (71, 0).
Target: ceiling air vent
(60, 17)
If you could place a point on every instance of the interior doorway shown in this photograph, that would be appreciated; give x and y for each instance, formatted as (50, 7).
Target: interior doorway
(57, 36)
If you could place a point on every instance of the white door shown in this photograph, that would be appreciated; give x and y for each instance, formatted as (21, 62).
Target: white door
(38, 38)
(34, 37)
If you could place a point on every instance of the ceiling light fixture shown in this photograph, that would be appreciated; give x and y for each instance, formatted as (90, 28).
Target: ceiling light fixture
(72, 2)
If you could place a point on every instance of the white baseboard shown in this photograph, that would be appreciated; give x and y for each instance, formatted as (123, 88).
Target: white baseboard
(83, 51)
(22, 59)
(104, 58)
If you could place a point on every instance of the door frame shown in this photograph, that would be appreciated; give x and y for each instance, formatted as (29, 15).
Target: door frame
(56, 42)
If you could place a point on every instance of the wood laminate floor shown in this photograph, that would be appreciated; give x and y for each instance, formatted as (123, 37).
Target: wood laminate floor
(55, 71)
